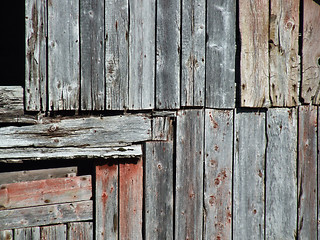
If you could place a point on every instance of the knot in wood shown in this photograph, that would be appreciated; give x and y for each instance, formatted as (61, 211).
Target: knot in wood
(53, 128)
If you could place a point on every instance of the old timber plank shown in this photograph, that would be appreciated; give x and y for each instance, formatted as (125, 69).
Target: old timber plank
(218, 173)
(63, 55)
(54, 232)
(80, 231)
(281, 174)
(189, 175)
(162, 128)
(254, 26)
(116, 53)
(6, 235)
(159, 190)
(249, 166)
(168, 54)
(307, 173)
(27, 233)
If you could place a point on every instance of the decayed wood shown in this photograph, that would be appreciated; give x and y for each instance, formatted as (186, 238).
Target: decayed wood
(311, 52)
(45, 215)
(220, 54)
(63, 55)
(106, 200)
(254, 26)
(130, 200)
(142, 54)
(27, 233)
(159, 190)
(189, 175)
(168, 54)
(193, 52)
(80, 231)
(6, 235)
(54, 232)
(307, 173)
(92, 54)
(249, 167)
(281, 174)
(284, 58)
(218, 173)
(162, 128)
(116, 53)
(36, 55)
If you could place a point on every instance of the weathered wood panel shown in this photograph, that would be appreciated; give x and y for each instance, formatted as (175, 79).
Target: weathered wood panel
(311, 52)
(307, 173)
(162, 128)
(142, 54)
(6, 235)
(54, 232)
(92, 54)
(318, 202)
(284, 48)
(189, 175)
(249, 173)
(116, 53)
(168, 54)
(159, 190)
(27, 233)
(254, 26)
(36, 55)
(281, 174)
(130, 200)
(80, 231)
(220, 54)
(218, 173)
(193, 52)
(63, 55)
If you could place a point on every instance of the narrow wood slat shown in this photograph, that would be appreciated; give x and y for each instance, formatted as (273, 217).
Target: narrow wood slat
(6, 235)
(218, 173)
(27, 233)
(162, 129)
(54, 232)
(80, 231)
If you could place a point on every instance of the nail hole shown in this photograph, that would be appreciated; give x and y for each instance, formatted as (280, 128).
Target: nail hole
(319, 61)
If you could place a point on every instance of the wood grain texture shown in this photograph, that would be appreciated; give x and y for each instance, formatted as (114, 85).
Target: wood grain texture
(318, 200)
(193, 52)
(63, 55)
(6, 235)
(220, 54)
(249, 174)
(189, 175)
(168, 54)
(27, 233)
(254, 64)
(284, 48)
(218, 173)
(53, 232)
(162, 129)
(159, 190)
(80, 231)
(281, 174)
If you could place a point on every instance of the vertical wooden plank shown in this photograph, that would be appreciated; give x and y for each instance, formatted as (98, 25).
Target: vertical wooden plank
(27, 233)
(249, 166)
(159, 190)
(6, 235)
(80, 231)
(106, 212)
(218, 173)
(254, 28)
(168, 54)
(220, 45)
(318, 200)
(162, 129)
(189, 175)
(116, 53)
(311, 52)
(130, 199)
(92, 54)
(63, 53)
(142, 54)
(307, 173)
(284, 48)
(53, 232)
(281, 174)
(193, 52)
(36, 55)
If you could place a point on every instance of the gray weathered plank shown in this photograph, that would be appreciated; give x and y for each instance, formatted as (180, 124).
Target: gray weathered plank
(159, 190)
(168, 54)
(27, 233)
(36, 55)
(54, 232)
(6, 235)
(281, 174)
(220, 54)
(63, 55)
(218, 173)
(92, 55)
(80, 231)
(318, 202)
(189, 175)
(116, 53)
(142, 54)
(162, 128)
(249, 167)
(193, 52)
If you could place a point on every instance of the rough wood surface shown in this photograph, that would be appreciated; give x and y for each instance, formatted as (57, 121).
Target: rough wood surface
(254, 26)
(218, 173)
(281, 174)
(284, 48)
(6, 235)
(80, 231)
(249, 173)
(162, 128)
(27, 233)
(54, 232)
(189, 175)
(159, 190)
(220, 54)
